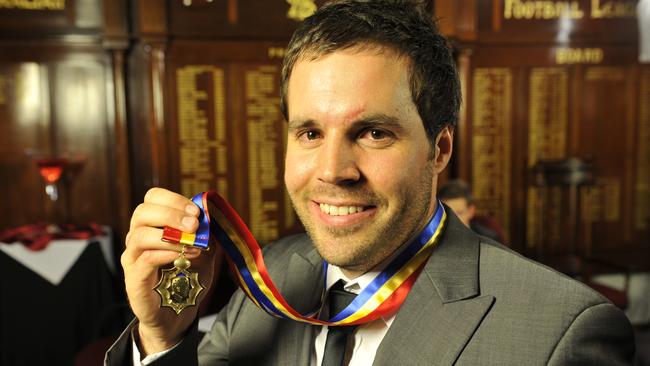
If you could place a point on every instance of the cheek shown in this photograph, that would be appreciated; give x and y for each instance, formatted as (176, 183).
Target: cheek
(297, 170)
(399, 175)
(388, 172)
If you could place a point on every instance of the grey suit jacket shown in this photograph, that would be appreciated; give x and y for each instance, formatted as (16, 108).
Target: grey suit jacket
(475, 303)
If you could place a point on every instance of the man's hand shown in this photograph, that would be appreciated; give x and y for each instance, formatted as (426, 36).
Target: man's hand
(160, 328)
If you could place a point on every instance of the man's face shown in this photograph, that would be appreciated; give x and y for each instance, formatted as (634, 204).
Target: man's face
(358, 167)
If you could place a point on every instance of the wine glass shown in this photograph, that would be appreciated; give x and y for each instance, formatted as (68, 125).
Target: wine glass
(51, 169)
(57, 170)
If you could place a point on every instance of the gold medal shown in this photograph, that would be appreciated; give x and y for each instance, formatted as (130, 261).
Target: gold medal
(178, 288)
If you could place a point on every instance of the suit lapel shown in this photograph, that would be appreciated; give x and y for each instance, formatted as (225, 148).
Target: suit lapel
(443, 309)
(302, 289)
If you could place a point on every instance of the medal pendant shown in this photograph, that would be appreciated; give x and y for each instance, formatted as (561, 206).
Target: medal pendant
(178, 288)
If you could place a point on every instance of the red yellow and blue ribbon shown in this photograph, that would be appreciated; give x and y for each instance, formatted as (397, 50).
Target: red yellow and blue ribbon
(383, 296)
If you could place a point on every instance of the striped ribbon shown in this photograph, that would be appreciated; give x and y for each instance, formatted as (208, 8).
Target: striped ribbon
(384, 295)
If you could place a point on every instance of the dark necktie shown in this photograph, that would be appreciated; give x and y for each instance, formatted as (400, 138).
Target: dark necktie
(337, 337)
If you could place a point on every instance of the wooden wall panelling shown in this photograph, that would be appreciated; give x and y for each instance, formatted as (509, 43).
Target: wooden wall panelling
(115, 40)
(461, 138)
(66, 87)
(242, 19)
(79, 114)
(605, 137)
(642, 181)
(24, 123)
(519, 167)
(74, 99)
(456, 19)
(55, 17)
(146, 100)
(569, 22)
(117, 132)
(631, 118)
(149, 19)
(147, 127)
(115, 33)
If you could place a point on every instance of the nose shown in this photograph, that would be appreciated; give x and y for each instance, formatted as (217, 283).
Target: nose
(338, 163)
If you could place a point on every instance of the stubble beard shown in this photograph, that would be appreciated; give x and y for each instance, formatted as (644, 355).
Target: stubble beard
(359, 248)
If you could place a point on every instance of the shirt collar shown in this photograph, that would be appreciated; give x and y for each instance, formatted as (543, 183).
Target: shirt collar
(334, 273)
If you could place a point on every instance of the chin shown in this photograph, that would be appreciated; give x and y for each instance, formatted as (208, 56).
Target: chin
(343, 252)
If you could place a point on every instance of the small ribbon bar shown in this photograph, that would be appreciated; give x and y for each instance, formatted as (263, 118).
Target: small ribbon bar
(200, 239)
(383, 296)
(176, 236)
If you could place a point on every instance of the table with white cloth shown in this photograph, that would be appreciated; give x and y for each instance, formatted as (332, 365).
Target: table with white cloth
(52, 300)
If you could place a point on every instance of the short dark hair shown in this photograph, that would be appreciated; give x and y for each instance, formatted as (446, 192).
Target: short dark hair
(402, 26)
(455, 188)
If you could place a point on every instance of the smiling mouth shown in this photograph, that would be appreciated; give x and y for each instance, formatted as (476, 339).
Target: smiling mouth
(340, 210)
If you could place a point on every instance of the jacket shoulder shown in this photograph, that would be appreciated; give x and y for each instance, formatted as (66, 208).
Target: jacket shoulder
(504, 270)
(539, 312)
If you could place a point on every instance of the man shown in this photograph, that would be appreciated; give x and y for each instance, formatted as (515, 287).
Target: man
(457, 196)
(370, 93)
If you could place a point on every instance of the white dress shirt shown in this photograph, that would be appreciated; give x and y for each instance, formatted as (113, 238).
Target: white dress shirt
(367, 337)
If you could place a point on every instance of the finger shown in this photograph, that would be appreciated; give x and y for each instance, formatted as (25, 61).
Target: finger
(148, 262)
(148, 214)
(164, 197)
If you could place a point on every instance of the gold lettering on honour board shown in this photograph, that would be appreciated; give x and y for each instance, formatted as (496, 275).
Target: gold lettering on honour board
(602, 201)
(578, 55)
(613, 9)
(642, 184)
(491, 142)
(264, 126)
(3, 85)
(521, 9)
(549, 10)
(202, 129)
(276, 52)
(300, 9)
(605, 73)
(33, 4)
(547, 134)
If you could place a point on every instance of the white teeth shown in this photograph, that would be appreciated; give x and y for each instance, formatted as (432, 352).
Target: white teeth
(340, 210)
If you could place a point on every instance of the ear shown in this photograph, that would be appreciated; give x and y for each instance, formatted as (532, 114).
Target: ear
(444, 147)
(471, 211)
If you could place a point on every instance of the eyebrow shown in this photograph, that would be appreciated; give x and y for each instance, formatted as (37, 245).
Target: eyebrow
(372, 120)
(379, 120)
(300, 123)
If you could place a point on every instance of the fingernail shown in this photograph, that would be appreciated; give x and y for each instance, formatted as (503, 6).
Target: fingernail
(192, 209)
(188, 221)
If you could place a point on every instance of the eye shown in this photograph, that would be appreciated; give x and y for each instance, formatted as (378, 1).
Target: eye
(377, 137)
(377, 134)
(308, 137)
(312, 135)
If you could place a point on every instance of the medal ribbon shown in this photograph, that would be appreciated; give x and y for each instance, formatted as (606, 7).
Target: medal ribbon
(384, 295)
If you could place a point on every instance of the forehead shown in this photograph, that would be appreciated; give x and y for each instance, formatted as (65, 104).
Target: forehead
(349, 82)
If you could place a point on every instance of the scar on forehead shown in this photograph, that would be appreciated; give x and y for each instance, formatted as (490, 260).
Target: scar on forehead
(354, 113)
